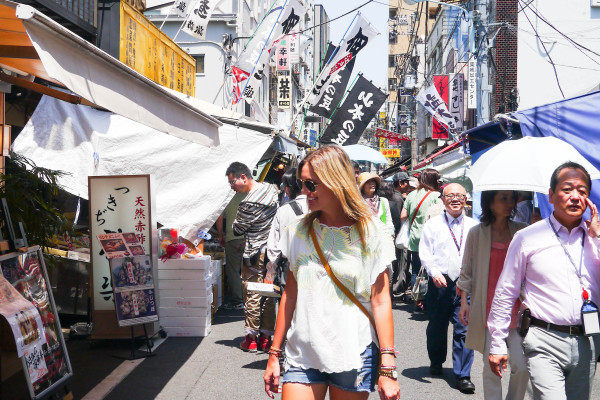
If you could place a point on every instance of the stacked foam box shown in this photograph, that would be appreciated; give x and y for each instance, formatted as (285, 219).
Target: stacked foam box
(185, 296)
(217, 276)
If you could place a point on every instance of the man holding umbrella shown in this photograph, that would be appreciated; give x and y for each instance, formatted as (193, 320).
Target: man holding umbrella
(556, 264)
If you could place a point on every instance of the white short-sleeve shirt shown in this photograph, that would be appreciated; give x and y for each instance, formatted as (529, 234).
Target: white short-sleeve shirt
(328, 332)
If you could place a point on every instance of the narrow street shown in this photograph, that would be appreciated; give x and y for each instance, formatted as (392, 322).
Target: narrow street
(214, 367)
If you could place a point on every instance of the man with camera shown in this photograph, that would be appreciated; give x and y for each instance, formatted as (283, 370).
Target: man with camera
(555, 263)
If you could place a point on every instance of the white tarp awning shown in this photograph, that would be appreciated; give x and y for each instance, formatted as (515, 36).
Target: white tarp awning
(190, 183)
(91, 73)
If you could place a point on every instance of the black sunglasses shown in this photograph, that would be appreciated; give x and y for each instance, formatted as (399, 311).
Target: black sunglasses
(310, 185)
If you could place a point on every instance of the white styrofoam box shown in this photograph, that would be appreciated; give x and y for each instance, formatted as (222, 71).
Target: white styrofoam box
(172, 284)
(183, 312)
(182, 274)
(204, 302)
(189, 331)
(198, 292)
(186, 263)
(185, 321)
(217, 267)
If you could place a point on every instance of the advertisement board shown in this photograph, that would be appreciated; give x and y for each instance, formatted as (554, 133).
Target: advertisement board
(146, 49)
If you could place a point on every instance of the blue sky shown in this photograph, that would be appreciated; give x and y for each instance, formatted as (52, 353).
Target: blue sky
(372, 60)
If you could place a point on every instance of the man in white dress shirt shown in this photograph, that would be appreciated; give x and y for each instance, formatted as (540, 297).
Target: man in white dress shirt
(556, 262)
(441, 251)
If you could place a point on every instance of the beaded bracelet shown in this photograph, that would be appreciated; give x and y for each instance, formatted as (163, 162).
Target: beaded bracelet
(388, 350)
(391, 367)
(274, 352)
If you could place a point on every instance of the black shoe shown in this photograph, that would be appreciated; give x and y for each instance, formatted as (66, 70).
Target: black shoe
(436, 370)
(465, 385)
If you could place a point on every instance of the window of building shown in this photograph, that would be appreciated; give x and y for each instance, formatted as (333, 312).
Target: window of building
(393, 37)
(199, 63)
(392, 84)
(393, 13)
(391, 61)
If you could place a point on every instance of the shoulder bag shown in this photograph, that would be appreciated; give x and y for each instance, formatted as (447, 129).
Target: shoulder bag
(403, 236)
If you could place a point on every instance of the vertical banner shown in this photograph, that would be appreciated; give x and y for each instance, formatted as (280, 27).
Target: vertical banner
(118, 204)
(431, 100)
(283, 54)
(197, 20)
(333, 92)
(284, 91)
(359, 35)
(354, 115)
(182, 7)
(456, 99)
(294, 40)
(441, 84)
(472, 88)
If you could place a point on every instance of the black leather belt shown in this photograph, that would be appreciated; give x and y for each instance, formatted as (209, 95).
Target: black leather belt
(572, 330)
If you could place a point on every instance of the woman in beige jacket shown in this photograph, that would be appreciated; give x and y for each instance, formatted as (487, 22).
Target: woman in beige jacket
(485, 251)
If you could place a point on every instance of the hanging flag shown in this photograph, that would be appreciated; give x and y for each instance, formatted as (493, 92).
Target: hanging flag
(256, 56)
(350, 121)
(238, 77)
(283, 54)
(441, 84)
(182, 7)
(333, 92)
(430, 99)
(284, 91)
(197, 20)
(361, 33)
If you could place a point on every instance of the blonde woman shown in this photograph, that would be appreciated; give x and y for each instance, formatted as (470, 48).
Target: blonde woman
(331, 344)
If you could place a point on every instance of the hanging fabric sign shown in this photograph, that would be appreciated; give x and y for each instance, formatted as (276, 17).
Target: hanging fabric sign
(197, 20)
(360, 106)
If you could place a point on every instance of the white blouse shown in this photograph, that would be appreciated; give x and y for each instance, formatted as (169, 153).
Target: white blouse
(328, 332)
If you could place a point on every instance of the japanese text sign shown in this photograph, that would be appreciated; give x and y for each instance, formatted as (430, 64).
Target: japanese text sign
(284, 91)
(283, 55)
(118, 204)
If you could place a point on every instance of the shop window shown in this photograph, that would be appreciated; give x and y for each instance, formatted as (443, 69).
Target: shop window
(199, 64)
(391, 61)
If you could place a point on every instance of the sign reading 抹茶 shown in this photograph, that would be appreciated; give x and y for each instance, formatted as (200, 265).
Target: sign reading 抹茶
(284, 91)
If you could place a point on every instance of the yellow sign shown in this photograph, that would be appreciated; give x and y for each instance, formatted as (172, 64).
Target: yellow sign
(382, 143)
(381, 114)
(153, 54)
(390, 153)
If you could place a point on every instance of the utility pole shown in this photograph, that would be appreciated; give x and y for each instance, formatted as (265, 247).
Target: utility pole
(481, 48)
(414, 145)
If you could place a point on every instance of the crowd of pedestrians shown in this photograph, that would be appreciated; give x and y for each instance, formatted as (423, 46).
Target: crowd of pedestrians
(518, 289)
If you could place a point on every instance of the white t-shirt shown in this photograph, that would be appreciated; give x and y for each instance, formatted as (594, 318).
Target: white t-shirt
(328, 332)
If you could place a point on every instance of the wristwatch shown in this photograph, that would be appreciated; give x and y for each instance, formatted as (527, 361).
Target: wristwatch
(389, 373)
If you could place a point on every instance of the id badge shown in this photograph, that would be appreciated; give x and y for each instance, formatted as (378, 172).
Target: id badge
(590, 318)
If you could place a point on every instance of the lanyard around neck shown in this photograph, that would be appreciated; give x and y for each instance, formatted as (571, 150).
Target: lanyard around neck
(462, 231)
(577, 271)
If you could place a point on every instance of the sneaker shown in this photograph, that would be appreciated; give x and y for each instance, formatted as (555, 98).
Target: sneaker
(237, 306)
(419, 309)
(249, 344)
(264, 343)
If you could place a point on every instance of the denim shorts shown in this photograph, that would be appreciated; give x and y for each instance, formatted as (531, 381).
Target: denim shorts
(356, 380)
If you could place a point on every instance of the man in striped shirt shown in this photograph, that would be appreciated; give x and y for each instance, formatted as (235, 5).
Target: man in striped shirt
(253, 220)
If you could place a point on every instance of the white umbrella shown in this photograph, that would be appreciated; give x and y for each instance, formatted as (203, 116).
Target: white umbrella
(524, 164)
(358, 152)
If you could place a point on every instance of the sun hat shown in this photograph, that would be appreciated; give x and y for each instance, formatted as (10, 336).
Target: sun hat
(367, 176)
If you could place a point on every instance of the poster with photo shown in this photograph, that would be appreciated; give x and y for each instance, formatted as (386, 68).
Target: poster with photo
(22, 316)
(26, 272)
(131, 273)
(116, 245)
(136, 307)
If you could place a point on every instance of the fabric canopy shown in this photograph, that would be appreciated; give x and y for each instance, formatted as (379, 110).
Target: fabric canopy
(575, 121)
(190, 183)
(31, 43)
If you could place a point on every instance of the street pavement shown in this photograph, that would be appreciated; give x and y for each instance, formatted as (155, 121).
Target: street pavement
(215, 368)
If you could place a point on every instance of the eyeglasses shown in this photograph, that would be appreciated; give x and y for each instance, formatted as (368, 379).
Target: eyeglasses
(452, 196)
(231, 183)
(310, 185)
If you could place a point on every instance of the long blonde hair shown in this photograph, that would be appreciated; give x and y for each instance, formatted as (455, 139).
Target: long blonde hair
(333, 167)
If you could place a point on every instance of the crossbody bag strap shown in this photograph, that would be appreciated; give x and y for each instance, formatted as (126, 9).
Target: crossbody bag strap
(417, 210)
(335, 280)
